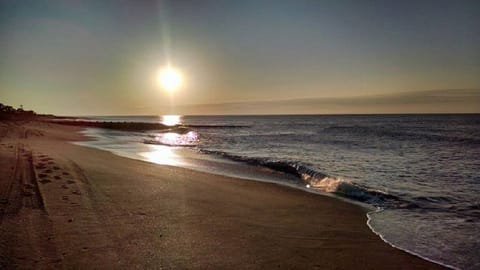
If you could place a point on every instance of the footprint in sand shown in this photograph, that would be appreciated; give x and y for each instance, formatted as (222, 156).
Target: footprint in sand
(76, 192)
(64, 186)
(28, 193)
(48, 171)
(65, 198)
(66, 173)
(40, 166)
(56, 168)
(43, 178)
(28, 186)
(57, 177)
(70, 182)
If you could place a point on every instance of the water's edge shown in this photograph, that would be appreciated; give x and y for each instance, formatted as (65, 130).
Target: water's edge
(378, 210)
(368, 208)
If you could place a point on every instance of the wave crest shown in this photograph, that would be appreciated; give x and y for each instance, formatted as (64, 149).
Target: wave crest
(319, 180)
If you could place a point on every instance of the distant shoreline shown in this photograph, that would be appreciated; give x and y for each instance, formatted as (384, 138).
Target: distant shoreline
(248, 115)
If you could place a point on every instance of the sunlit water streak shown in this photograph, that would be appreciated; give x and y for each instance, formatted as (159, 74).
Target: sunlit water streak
(171, 120)
(163, 155)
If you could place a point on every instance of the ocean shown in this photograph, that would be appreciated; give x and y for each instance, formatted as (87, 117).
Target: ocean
(420, 174)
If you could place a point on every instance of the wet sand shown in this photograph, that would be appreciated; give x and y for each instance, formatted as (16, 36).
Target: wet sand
(69, 206)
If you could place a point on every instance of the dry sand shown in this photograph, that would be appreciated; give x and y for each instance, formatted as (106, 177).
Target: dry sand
(68, 206)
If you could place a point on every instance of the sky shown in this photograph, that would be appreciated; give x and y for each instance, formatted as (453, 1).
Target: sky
(241, 57)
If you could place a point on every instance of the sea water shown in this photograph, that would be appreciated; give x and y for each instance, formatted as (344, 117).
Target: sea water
(421, 172)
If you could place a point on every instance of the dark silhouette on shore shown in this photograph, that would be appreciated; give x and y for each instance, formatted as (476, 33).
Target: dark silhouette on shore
(112, 125)
(133, 126)
(10, 113)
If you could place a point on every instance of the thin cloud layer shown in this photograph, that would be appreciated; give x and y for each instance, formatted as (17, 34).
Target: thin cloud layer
(433, 101)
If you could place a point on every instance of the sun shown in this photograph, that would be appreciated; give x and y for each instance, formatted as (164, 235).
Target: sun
(170, 79)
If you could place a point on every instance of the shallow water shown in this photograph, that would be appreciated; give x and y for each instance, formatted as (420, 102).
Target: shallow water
(423, 170)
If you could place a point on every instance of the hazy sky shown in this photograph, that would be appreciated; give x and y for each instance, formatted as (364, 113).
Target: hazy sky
(101, 57)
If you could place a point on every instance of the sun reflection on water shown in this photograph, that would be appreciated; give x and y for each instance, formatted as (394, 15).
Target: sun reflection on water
(171, 120)
(175, 139)
(163, 155)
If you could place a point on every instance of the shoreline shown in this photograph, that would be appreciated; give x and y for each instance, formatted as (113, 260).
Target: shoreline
(125, 203)
(369, 219)
(369, 209)
(231, 174)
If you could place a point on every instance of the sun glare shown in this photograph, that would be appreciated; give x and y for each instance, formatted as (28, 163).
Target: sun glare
(170, 79)
(171, 120)
(162, 155)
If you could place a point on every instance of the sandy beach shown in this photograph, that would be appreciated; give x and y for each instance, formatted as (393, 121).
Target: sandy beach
(69, 206)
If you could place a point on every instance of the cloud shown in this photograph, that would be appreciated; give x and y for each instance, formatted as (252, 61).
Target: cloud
(432, 101)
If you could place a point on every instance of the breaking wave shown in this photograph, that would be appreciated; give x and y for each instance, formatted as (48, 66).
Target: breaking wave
(321, 181)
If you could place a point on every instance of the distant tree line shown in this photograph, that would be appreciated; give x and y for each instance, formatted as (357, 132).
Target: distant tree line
(10, 113)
